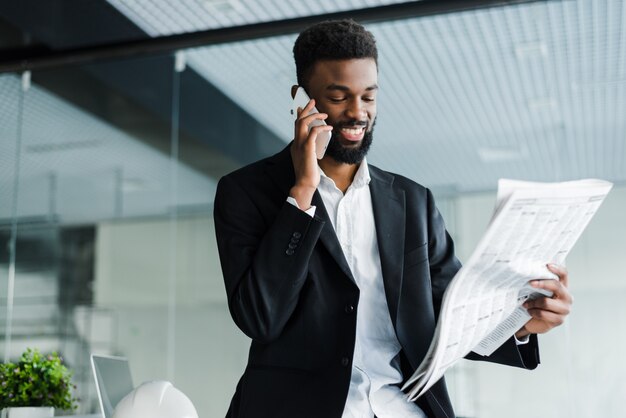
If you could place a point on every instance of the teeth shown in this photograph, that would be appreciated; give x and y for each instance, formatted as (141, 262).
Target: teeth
(353, 131)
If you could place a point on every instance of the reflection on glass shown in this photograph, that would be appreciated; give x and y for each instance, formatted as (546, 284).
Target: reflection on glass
(91, 159)
(13, 199)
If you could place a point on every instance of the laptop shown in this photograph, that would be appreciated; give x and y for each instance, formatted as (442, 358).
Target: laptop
(113, 381)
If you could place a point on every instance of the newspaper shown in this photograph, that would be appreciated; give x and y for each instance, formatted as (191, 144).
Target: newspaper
(533, 224)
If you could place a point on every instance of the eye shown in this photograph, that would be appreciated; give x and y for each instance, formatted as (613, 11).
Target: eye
(336, 99)
(369, 99)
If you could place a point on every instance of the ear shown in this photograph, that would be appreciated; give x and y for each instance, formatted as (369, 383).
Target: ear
(294, 88)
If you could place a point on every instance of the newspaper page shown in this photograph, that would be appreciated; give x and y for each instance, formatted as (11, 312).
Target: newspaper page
(533, 224)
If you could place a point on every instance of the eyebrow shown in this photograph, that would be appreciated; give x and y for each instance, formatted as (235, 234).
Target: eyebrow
(346, 88)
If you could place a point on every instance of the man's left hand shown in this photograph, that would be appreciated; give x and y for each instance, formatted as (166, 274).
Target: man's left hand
(548, 312)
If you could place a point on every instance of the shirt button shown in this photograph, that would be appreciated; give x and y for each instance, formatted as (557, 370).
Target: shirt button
(345, 361)
(349, 308)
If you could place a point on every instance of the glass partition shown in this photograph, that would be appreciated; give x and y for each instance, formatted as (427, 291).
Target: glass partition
(109, 172)
(11, 113)
(92, 146)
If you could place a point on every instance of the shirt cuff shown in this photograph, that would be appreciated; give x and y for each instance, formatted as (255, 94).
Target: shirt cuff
(522, 341)
(310, 211)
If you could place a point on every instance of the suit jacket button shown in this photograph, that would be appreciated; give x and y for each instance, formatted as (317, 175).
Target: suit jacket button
(289, 251)
(296, 235)
(292, 245)
(345, 361)
(349, 308)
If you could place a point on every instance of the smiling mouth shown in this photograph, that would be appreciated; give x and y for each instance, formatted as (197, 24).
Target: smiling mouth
(353, 133)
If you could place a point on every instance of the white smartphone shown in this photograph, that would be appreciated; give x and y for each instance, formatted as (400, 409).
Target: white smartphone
(300, 100)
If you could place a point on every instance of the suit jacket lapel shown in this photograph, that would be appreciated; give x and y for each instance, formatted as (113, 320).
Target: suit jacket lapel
(389, 214)
(280, 168)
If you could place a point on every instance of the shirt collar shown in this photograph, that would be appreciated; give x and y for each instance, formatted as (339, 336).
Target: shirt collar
(361, 178)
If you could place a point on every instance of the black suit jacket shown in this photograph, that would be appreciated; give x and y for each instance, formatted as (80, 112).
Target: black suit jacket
(291, 291)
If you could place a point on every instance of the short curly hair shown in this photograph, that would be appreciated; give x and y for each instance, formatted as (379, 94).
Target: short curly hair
(332, 40)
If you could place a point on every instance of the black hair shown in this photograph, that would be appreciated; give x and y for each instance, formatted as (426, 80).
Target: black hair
(332, 40)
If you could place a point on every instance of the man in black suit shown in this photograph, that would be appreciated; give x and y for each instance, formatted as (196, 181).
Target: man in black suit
(336, 269)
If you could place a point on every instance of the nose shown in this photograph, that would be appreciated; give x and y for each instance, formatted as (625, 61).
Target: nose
(356, 110)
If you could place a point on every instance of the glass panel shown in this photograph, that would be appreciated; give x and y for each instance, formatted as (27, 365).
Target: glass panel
(97, 190)
(218, 136)
(11, 107)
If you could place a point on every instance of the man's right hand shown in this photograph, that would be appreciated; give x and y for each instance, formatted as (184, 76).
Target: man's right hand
(304, 157)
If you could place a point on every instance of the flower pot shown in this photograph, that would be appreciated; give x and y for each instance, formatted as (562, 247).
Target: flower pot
(28, 412)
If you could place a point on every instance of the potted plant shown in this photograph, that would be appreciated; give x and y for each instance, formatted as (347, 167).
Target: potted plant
(34, 386)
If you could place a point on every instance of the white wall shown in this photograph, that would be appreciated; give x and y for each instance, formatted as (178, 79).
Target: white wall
(132, 279)
(582, 371)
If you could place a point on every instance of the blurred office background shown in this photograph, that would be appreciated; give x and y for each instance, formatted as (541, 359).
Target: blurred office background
(118, 117)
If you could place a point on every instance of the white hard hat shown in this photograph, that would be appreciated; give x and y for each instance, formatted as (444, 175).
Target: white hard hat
(157, 399)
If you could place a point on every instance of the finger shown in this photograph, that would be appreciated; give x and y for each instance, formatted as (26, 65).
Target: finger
(556, 287)
(309, 106)
(315, 132)
(302, 125)
(551, 318)
(306, 121)
(560, 271)
(557, 306)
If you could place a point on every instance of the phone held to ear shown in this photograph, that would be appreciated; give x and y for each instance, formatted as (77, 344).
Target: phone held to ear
(300, 100)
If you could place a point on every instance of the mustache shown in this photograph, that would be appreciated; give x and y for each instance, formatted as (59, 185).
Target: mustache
(351, 124)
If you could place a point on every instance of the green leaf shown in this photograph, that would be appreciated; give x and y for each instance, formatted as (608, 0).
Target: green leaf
(36, 380)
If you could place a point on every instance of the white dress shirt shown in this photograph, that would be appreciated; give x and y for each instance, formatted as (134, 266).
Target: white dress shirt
(375, 367)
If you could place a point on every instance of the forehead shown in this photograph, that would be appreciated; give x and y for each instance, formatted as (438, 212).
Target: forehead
(356, 74)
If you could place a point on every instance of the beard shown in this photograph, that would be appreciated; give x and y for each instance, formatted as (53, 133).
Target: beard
(346, 155)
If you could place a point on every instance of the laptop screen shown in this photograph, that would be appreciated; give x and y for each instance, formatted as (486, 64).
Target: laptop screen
(113, 381)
